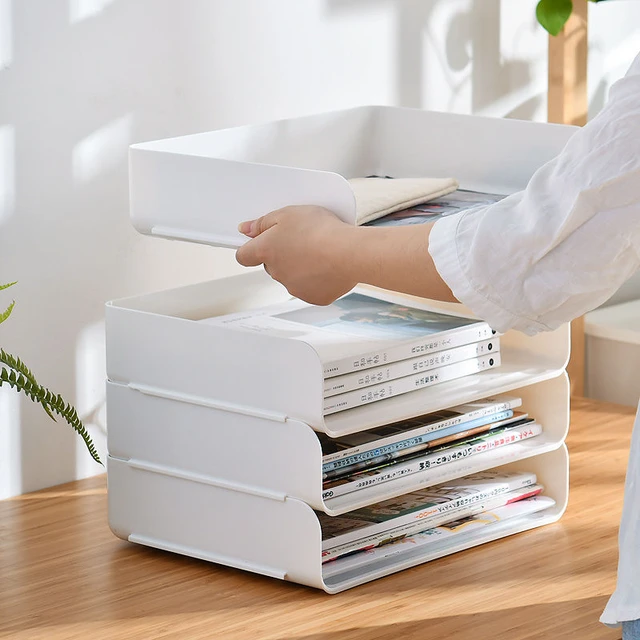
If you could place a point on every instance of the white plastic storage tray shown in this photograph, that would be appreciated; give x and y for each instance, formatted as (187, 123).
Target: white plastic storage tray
(282, 458)
(156, 346)
(211, 446)
(196, 187)
(277, 536)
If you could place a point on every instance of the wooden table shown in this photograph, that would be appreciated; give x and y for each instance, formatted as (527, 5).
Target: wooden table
(63, 575)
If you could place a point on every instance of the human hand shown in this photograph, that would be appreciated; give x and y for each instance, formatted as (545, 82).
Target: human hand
(305, 248)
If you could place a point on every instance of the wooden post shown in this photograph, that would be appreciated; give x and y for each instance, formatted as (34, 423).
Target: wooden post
(568, 104)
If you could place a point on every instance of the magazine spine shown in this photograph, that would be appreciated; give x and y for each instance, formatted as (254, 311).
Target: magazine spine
(354, 399)
(406, 446)
(488, 410)
(478, 506)
(435, 459)
(377, 375)
(432, 511)
(517, 510)
(410, 349)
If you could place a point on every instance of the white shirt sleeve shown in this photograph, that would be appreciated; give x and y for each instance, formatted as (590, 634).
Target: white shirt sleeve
(564, 245)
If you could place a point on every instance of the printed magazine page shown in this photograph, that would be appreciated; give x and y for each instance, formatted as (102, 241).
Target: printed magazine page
(455, 202)
(388, 438)
(442, 519)
(420, 505)
(461, 529)
(357, 331)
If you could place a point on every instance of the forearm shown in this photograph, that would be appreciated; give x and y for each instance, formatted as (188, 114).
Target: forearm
(394, 258)
(562, 246)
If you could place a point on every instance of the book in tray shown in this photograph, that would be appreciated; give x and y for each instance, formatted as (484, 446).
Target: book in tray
(359, 331)
(454, 202)
(434, 506)
(414, 382)
(433, 441)
(461, 532)
(394, 438)
(391, 371)
(506, 437)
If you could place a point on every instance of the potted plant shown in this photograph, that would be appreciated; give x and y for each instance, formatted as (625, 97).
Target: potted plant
(15, 374)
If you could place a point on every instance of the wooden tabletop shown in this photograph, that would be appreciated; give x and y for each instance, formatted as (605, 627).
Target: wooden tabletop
(63, 575)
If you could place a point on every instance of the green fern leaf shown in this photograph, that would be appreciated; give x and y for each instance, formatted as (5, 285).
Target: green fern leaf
(16, 374)
(6, 286)
(7, 312)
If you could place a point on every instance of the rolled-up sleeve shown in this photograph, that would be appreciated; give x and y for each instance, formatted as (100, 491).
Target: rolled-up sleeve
(564, 245)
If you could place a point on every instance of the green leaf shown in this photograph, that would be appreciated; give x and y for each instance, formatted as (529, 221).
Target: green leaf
(7, 312)
(553, 14)
(16, 374)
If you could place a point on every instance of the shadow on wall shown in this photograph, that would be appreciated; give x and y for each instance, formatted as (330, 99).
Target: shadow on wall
(460, 45)
(79, 81)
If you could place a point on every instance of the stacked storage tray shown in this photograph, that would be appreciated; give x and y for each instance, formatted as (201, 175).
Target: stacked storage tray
(212, 450)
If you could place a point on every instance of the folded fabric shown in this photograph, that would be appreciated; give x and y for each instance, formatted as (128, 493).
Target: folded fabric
(377, 197)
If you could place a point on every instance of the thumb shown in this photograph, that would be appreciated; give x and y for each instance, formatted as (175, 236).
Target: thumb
(253, 228)
(247, 256)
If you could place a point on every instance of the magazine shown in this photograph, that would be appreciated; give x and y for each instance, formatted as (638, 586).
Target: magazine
(464, 529)
(362, 445)
(420, 506)
(436, 440)
(377, 540)
(353, 399)
(455, 202)
(421, 462)
(359, 332)
(392, 371)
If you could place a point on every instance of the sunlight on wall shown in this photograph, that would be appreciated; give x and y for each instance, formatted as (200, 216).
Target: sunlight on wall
(102, 150)
(90, 395)
(80, 10)
(7, 171)
(10, 454)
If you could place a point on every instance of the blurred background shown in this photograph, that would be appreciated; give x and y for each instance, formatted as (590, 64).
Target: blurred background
(81, 80)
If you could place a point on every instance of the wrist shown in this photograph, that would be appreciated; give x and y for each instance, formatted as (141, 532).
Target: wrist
(389, 257)
(354, 252)
(395, 258)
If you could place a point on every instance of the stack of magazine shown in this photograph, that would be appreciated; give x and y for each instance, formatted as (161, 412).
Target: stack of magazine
(372, 349)
(424, 518)
(367, 458)
(455, 202)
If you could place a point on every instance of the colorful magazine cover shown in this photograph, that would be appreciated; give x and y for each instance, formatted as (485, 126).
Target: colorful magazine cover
(420, 505)
(459, 531)
(357, 331)
(455, 202)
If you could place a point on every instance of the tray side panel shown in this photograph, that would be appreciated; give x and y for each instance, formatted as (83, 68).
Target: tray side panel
(280, 539)
(483, 153)
(203, 200)
(225, 448)
(243, 372)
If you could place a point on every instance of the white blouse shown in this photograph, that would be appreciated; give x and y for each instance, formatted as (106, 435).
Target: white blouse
(556, 250)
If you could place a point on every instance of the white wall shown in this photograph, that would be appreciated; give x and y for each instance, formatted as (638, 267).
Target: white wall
(82, 79)
(614, 40)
